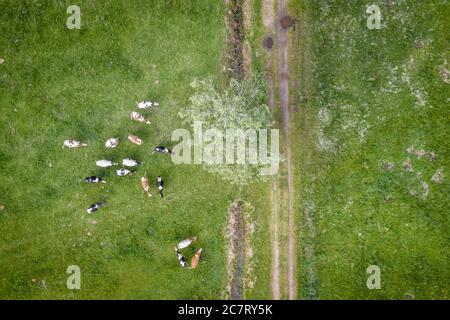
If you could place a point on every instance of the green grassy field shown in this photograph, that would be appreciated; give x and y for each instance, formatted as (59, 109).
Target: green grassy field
(365, 97)
(57, 84)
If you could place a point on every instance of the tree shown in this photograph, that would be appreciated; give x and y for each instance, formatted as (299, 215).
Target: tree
(238, 106)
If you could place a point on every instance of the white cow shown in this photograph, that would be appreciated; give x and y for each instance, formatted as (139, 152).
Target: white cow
(130, 162)
(146, 104)
(73, 144)
(105, 163)
(112, 142)
(183, 244)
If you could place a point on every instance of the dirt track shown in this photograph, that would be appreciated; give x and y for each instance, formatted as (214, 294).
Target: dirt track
(282, 218)
(283, 84)
(282, 78)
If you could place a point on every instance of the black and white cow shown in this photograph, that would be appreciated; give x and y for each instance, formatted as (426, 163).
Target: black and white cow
(161, 149)
(146, 104)
(123, 172)
(160, 183)
(94, 207)
(181, 259)
(94, 179)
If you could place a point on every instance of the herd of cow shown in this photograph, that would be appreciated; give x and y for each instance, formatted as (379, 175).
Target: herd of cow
(145, 182)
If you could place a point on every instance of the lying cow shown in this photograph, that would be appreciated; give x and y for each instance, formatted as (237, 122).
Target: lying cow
(94, 179)
(181, 259)
(105, 163)
(73, 144)
(135, 139)
(130, 162)
(94, 207)
(138, 117)
(146, 104)
(146, 185)
(196, 259)
(112, 142)
(160, 183)
(183, 244)
(161, 149)
(124, 172)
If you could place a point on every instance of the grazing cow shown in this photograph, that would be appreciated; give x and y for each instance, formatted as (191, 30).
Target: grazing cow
(146, 104)
(94, 179)
(95, 207)
(160, 186)
(138, 117)
(135, 139)
(130, 162)
(146, 185)
(124, 172)
(196, 259)
(105, 163)
(112, 142)
(73, 144)
(183, 244)
(161, 149)
(180, 257)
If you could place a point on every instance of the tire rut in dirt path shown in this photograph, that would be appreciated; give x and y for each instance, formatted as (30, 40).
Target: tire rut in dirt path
(283, 84)
(275, 273)
(268, 22)
(275, 283)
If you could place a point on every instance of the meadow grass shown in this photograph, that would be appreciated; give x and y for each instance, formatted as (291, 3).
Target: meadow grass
(365, 97)
(58, 84)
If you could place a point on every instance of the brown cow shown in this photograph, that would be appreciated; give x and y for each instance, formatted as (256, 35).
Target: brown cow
(135, 139)
(196, 259)
(146, 185)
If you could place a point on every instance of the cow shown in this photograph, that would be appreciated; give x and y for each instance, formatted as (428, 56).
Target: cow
(181, 259)
(160, 183)
(196, 258)
(105, 163)
(138, 117)
(124, 172)
(183, 244)
(112, 142)
(146, 185)
(130, 162)
(161, 149)
(73, 144)
(95, 207)
(135, 139)
(94, 179)
(146, 104)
